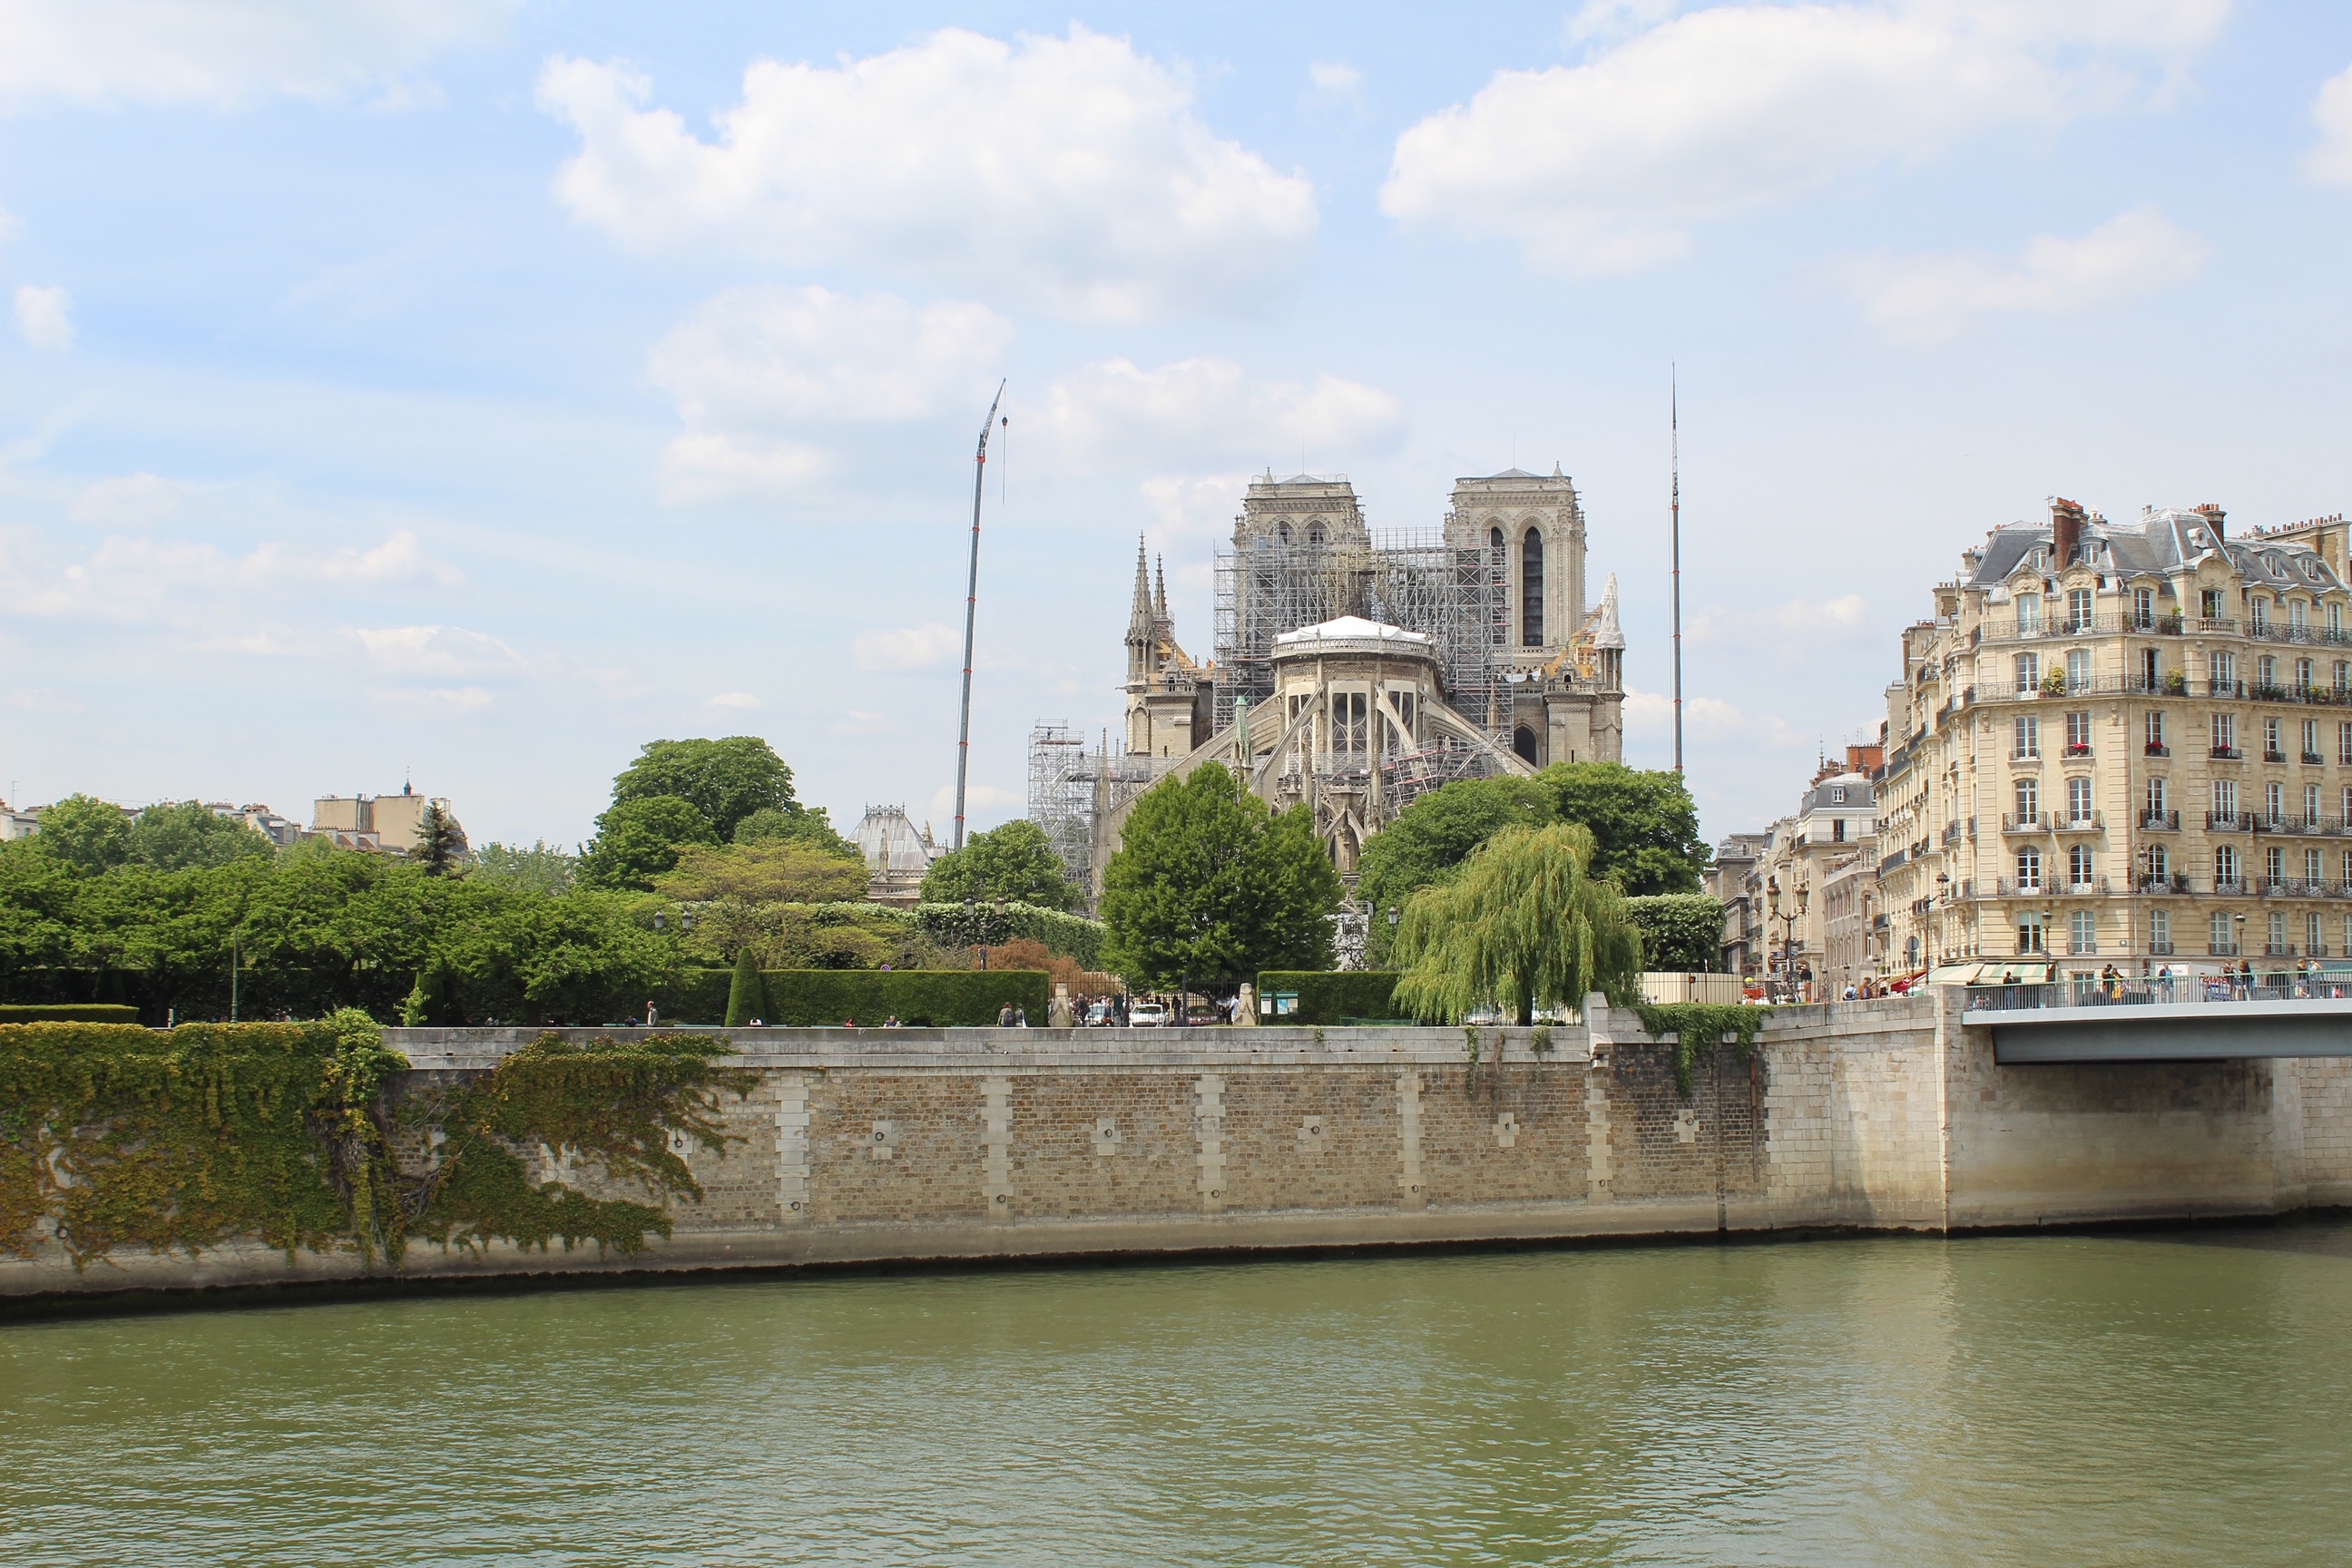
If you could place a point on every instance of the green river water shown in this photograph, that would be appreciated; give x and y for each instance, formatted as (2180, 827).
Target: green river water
(2146, 1398)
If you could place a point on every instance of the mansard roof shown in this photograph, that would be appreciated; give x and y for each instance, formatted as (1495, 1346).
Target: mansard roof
(2161, 542)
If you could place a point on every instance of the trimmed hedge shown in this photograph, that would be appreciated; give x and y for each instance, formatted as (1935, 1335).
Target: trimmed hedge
(920, 998)
(68, 1012)
(1072, 936)
(1327, 997)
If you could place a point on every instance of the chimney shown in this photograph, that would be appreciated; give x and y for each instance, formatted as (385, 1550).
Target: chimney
(2213, 514)
(2065, 532)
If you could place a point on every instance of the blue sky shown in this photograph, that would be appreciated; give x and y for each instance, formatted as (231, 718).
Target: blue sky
(480, 390)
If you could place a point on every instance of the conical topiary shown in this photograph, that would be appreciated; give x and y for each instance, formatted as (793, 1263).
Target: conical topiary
(747, 997)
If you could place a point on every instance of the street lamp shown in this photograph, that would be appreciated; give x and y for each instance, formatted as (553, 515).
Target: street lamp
(1788, 928)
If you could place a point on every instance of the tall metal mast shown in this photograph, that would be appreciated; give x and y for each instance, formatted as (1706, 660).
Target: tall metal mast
(971, 609)
(1675, 429)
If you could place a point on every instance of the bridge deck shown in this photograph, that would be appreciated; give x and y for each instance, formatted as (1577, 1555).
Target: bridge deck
(2140, 1027)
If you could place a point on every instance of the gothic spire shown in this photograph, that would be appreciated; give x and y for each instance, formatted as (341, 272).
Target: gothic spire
(1139, 620)
(1160, 605)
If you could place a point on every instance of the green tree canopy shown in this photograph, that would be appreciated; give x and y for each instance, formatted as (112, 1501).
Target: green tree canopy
(1524, 925)
(174, 837)
(1436, 833)
(807, 824)
(85, 833)
(541, 868)
(773, 871)
(1644, 826)
(638, 840)
(1680, 931)
(726, 781)
(1015, 862)
(1210, 885)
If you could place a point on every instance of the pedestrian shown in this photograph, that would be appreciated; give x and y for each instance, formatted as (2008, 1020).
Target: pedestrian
(1021, 1017)
(1004, 1017)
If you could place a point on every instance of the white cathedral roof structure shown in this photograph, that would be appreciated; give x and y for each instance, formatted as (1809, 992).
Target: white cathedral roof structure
(1355, 634)
(1606, 632)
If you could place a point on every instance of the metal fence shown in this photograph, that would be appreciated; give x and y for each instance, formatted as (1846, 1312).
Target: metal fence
(2329, 984)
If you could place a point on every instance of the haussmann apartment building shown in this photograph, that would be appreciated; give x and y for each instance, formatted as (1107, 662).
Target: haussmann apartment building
(2127, 744)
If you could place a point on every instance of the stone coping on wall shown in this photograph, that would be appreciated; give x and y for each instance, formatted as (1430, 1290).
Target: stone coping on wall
(998, 1050)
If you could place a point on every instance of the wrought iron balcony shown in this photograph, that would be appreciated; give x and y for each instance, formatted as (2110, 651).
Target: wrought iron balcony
(2032, 822)
(2229, 822)
(2167, 884)
(2226, 753)
(2161, 821)
(2069, 822)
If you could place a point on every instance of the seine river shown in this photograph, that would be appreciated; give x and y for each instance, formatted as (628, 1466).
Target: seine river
(2049, 1400)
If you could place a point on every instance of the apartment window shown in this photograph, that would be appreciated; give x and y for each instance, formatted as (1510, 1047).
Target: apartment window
(2311, 805)
(2311, 740)
(2154, 729)
(2029, 869)
(2028, 613)
(2155, 793)
(2297, 612)
(2151, 669)
(2082, 865)
(2344, 743)
(2210, 604)
(2225, 732)
(2159, 931)
(2082, 931)
(2225, 863)
(2078, 733)
(2344, 864)
(2078, 800)
(1837, 830)
(2312, 867)
(2302, 675)
(2312, 940)
(2343, 672)
(1837, 795)
(2143, 608)
(2078, 609)
(2271, 740)
(2029, 934)
(2027, 734)
(2159, 861)
(2278, 930)
(2348, 919)
(2335, 619)
(2029, 671)
(2029, 799)
(2223, 669)
(2274, 864)
(2078, 670)
(2267, 670)
(2273, 801)
(2225, 799)
(2258, 615)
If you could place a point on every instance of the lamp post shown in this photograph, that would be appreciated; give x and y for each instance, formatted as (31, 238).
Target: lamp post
(1788, 928)
(1943, 921)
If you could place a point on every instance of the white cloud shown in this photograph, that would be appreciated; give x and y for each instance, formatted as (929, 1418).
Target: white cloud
(1711, 721)
(1069, 173)
(1204, 412)
(221, 53)
(1609, 165)
(1334, 79)
(1928, 299)
(140, 500)
(44, 317)
(2331, 160)
(1610, 20)
(733, 701)
(130, 579)
(450, 651)
(712, 465)
(908, 648)
(769, 356)
(463, 699)
(1846, 616)
(859, 722)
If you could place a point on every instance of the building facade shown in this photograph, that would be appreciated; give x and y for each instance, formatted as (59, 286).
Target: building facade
(1834, 831)
(2127, 743)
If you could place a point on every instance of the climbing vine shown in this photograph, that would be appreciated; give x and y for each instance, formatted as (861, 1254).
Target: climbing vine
(301, 1136)
(1697, 1026)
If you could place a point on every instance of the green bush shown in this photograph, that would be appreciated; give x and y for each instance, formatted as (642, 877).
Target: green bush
(1329, 996)
(746, 998)
(1681, 932)
(69, 1013)
(917, 997)
(1072, 936)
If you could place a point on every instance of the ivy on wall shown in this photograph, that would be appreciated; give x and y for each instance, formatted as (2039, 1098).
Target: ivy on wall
(1701, 1026)
(293, 1134)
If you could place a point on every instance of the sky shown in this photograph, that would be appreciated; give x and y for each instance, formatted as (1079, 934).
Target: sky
(471, 391)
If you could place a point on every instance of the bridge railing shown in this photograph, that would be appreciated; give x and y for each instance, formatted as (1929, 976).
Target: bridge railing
(2177, 989)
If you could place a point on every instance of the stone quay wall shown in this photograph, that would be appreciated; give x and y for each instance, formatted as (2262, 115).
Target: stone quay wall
(910, 1146)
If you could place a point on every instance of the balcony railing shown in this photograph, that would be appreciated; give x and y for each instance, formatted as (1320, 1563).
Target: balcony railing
(2090, 822)
(2160, 821)
(2298, 826)
(2160, 949)
(2283, 983)
(2155, 749)
(2313, 759)
(2032, 822)
(2225, 753)
(2230, 822)
(2232, 887)
(2270, 756)
(2077, 749)
(2048, 887)
(2166, 883)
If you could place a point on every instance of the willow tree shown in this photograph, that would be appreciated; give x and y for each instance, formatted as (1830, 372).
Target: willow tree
(1524, 924)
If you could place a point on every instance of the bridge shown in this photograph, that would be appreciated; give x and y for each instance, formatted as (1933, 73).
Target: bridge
(2190, 1017)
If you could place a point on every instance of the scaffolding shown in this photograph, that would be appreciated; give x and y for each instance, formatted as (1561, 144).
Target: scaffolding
(1074, 787)
(1456, 594)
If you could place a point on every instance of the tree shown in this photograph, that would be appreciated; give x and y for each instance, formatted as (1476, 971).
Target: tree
(747, 997)
(174, 837)
(726, 781)
(1015, 862)
(1645, 827)
(440, 845)
(1436, 833)
(803, 824)
(541, 868)
(638, 840)
(86, 833)
(773, 871)
(1680, 931)
(1209, 886)
(1525, 925)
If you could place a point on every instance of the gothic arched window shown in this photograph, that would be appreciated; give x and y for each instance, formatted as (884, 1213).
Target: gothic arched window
(1315, 534)
(1531, 585)
(1494, 538)
(1282, 531)
(1523, 741)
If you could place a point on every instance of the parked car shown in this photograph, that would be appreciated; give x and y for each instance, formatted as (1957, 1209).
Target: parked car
(1097, 1015)
(1146, 1016)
